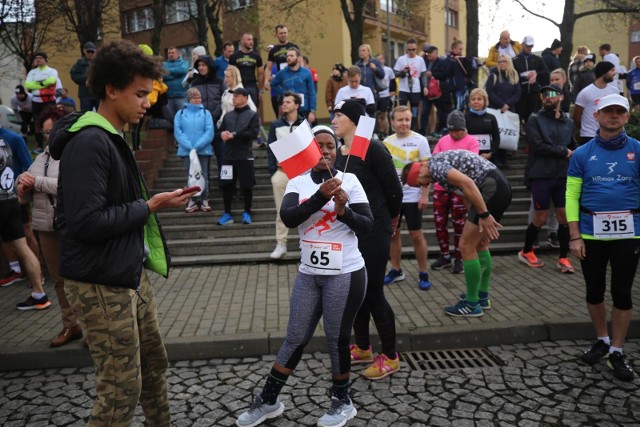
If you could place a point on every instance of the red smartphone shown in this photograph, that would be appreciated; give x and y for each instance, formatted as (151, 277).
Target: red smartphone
(193, 189)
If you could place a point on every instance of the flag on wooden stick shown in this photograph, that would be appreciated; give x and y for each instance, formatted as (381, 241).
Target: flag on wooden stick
(297, 152)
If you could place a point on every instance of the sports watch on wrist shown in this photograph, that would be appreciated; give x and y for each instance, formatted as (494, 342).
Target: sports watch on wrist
(484, 215)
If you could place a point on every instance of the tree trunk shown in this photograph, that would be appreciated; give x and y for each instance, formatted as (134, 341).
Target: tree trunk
(566, 33)
(473, 25)
(355, 25)
(158, 22)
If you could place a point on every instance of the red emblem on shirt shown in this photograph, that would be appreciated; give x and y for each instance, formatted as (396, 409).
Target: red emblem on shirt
(631, 156)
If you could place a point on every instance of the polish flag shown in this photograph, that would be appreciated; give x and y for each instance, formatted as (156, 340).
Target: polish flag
(297, 152)
(362, 139)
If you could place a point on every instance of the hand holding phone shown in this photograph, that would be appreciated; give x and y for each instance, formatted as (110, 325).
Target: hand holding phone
(193, 189)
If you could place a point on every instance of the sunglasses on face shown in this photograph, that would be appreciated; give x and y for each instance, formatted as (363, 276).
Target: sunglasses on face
(411, 50)
(551, 94)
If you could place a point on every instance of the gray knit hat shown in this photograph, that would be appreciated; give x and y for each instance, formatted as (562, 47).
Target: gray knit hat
(455, 121)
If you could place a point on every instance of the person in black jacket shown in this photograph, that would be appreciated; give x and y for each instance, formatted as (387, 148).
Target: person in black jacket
(209, 85)
(549, 135)
(379, 179)
(109, 233)
(533, 74)
(240, 127)
(440, 69)
(484, 127)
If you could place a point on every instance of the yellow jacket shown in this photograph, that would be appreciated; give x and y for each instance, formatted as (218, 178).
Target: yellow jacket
(492, 58)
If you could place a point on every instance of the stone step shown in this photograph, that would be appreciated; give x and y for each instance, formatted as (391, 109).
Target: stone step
(244, 242)
(293, 255)
(204, 225)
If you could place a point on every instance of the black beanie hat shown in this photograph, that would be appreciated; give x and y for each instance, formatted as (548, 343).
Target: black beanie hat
(352, 108)
(603, 68)
(556, 44)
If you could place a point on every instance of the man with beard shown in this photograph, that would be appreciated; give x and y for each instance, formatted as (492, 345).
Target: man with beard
(297, 79)
(549, 135)
(588, 98)
(278, 56)
(250, 65)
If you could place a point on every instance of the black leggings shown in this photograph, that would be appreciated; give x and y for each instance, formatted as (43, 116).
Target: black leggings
(375, 250)
(623, 256)
(334, 298)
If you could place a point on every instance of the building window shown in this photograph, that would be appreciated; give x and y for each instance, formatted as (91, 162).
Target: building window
(239, 4)
(635, 36)
(139, 19)
(451, 18)
(394, 6)
(181, 10)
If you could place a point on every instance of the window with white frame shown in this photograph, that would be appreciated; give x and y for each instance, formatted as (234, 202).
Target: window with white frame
(394, 6)
(451, 18)
(181, 10)
(239, 4)
(139, 19)
(635, 36)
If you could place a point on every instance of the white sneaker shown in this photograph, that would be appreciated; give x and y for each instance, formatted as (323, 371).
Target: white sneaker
(279, 252)
(191, 207)
(338, 414)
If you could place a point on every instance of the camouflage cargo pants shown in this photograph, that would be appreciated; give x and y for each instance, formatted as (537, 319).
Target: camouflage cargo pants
(126, 348)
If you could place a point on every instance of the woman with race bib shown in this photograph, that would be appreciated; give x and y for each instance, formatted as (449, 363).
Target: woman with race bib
(328, 207)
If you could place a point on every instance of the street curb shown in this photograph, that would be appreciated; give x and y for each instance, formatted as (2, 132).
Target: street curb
(74, 355)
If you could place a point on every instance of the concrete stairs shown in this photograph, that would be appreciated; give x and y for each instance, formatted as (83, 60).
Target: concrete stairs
(196, 238)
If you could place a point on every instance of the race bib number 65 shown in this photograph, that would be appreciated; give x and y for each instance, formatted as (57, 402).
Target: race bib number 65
(324, 258)
(613, 225)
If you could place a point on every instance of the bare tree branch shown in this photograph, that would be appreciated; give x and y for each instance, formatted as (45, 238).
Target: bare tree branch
(537, 14)
(605, 10)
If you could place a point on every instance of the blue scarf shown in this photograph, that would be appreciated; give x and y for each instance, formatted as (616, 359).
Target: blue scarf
(477, 112)
(612, 144)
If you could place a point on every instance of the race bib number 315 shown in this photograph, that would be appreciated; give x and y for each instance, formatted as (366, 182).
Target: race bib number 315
(324, 258)
(613, 225)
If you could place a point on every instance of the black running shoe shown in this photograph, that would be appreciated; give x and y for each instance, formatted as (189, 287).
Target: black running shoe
(597, 352)
(621, 370)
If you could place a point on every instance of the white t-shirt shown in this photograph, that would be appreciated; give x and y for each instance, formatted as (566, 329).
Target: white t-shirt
(588, 99)
(345, 92)
(413, 148)
(324, 226)
(613, 58)
(507, 51)
(388, 76)
(416, 67)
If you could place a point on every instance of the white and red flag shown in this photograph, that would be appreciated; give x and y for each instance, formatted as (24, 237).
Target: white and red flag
(297, 152)
(362, 139)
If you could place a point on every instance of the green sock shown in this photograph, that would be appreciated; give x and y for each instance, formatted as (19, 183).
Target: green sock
(487, 265)
(472, 275)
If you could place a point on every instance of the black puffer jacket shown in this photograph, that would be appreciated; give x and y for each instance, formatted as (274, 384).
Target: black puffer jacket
(210, 87)
(245, 125)
(102, 215)
(549, 140)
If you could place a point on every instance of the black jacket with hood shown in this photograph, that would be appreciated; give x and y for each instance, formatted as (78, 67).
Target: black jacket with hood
(210, 87)
(106, 230)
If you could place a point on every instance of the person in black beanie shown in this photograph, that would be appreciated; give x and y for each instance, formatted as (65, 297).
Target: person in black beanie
(588, 98)
(379, 178)
(550, 55)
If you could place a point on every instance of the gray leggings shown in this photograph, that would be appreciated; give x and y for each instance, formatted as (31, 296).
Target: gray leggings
(335, 298)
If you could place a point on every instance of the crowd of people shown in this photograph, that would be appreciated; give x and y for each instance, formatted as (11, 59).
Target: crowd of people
(97, 231)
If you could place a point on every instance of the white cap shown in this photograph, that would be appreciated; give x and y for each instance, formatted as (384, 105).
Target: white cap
(613, 99)
(528, 40)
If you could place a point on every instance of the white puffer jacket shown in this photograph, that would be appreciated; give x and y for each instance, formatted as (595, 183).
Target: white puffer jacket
(43, 211)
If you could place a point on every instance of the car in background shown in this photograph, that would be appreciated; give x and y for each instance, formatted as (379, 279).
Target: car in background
(10, 120)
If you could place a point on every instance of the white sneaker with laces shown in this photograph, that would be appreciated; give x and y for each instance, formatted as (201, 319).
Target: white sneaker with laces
(259, 412)
(280, 252)
(338, 414)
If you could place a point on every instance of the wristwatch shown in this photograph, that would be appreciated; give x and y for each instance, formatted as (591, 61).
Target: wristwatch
(484, 215)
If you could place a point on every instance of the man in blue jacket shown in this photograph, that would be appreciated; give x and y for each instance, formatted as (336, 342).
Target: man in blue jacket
(109, 234)
(297, 79)
(177, 68)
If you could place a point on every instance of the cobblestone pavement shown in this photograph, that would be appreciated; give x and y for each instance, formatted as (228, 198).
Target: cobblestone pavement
(540, 384)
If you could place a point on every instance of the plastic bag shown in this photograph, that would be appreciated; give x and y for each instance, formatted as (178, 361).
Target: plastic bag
(509, 124)
(195, 172)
